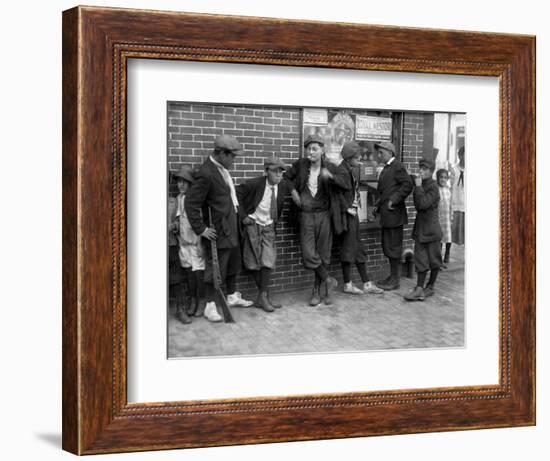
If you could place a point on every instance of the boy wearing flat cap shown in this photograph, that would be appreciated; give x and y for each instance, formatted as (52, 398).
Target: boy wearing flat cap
(176, 273)
(191, 253)
(260, 205)
(353, 250)
(394, 185)
(426, 232)
(214, 190)
(312, 188)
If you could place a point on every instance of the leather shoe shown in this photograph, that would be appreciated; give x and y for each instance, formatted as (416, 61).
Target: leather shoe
(263, 303)
(315, 298)
(182, 316)
(274, 305)
(326, 288)
(201, 305)
(384, 281)
(428, 291)
(417, 294)
(391, 284)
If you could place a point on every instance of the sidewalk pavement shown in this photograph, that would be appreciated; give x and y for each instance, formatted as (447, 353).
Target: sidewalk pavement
(351, 323)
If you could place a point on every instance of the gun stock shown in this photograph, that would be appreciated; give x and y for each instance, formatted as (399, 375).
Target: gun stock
(217, 278)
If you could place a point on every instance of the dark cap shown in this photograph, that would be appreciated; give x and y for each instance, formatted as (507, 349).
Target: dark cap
(314, 138)
(427, 163)
(385, 145)
(227, 142)
(350, 149)
(185, 172)
(274, 162)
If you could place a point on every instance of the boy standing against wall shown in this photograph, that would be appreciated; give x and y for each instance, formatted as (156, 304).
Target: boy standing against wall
(426, 232)
(260, 205)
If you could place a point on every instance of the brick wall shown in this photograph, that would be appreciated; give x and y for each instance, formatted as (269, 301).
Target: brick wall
(265, 131)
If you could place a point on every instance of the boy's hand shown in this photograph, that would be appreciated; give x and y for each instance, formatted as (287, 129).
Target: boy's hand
(325, 173)
(209, 233)
(390, 205)
(417, 181)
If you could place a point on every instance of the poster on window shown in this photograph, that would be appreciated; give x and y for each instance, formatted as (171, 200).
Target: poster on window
(371, 128)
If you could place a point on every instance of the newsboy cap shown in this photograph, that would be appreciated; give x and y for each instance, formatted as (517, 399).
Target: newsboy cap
(385, 145)
(314, 138)
(185, 172)
(428, 163)
(227, 142)
(350, 149)
(274, 162)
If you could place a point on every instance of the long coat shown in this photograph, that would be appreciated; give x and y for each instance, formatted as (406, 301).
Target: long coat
(394, 184)
(426, 200)
(251, 192)
(211, 191)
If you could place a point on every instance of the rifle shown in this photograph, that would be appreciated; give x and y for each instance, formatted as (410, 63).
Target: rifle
(217, 277)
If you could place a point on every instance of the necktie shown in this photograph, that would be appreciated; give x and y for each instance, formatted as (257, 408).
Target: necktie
(273, 206)
(384, 170)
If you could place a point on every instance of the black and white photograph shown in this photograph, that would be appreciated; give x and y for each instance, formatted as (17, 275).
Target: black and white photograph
(304, 230)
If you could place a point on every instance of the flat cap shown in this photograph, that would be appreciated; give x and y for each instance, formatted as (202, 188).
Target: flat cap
(227, 142)
(274, 162)
(385, 145)
(350, 149)
(185, 172)
(314, 138)
(427, 163)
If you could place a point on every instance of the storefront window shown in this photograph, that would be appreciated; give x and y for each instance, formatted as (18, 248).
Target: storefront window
(449, 136)
(337, 126)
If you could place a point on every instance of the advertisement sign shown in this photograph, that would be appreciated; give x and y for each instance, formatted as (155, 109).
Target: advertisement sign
(371, 128)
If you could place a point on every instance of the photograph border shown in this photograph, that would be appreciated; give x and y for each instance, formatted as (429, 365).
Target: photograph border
(97, 43)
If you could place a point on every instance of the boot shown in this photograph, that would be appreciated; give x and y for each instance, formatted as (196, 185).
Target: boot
(193, 304)
(274, 305)
(201, 305)
(428, 291)
(315, 298)
(181, 315)
(384, 281)
(263, 303)
(417, 294)
(391, 283)
(327, 287)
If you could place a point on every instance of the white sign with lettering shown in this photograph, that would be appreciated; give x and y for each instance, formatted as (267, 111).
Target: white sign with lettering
(368, 127)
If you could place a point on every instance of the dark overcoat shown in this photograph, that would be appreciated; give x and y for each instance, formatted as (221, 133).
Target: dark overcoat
(394, 184)
(211, 191)
(426, 200)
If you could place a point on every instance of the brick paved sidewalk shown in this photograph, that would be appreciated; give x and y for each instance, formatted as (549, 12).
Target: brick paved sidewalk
(351, 323)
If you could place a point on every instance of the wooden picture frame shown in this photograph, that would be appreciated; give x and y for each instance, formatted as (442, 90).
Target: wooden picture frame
(97, 43)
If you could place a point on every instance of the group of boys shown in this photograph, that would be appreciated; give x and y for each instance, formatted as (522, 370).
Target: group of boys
(243, 219)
